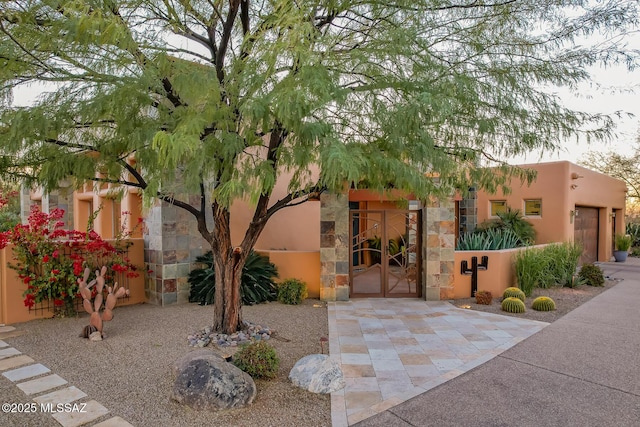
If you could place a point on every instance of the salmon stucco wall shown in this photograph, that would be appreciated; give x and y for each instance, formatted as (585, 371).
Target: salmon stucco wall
(499, 275)
(561, 186)
(554, 223)
(495, 279)
(294, 228)
(302, 265)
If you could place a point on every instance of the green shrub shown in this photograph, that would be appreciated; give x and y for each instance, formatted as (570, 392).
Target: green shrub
(292, 291)
(552, 265)
(633, 230)
(513, 293)
(591, 275)
(532, 269)
(257, 359)
(563, 262)
(543, 304)
(257, 284)
(8, 220)
(623, 242)
(513, 305)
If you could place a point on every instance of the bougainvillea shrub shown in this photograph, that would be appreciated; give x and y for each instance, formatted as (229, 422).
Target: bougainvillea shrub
(51, 259)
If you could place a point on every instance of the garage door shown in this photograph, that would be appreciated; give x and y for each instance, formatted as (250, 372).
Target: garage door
(586, 232)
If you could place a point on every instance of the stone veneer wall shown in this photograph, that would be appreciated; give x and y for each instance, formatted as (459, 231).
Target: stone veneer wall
(468, 212)
(438, 249)
(334, 247)
(171, 244)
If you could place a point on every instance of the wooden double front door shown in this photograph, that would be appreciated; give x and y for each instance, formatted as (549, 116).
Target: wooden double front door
(386, 253)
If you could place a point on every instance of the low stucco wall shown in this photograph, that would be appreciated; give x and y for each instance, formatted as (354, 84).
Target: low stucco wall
(496, 278)
(302, 265)
(12, 309)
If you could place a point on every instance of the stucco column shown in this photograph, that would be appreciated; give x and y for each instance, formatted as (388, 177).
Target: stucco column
(439, 238)
(334, 247)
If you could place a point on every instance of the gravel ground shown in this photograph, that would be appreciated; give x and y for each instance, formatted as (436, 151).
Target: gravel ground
(130, 371)
(566, 299)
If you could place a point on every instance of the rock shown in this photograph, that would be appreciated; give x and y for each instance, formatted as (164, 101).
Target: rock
(95, 336)
(206, 381)
(317, 373)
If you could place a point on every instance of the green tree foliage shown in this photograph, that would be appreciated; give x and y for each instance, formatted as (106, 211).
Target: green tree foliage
(620, 166)
(221, 96)
(9, 205)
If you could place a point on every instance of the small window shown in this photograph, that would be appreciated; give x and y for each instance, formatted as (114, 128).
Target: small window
(533, 207)
(498, 206)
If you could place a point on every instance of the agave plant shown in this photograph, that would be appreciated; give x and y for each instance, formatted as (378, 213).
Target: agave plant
(512, 220)
(491, 239)
(256, 284)
(473, 242)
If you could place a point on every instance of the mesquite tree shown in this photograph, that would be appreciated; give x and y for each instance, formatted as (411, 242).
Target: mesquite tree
(223, 96)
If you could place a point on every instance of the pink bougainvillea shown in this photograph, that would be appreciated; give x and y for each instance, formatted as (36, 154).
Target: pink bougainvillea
(50, 259)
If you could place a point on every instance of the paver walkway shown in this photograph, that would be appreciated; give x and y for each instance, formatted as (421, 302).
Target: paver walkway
(582, 370)
(50, 393)
(392, 350)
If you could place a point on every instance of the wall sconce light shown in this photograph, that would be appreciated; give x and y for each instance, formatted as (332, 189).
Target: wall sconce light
(572, 214)
(575, 175)
(574, 186)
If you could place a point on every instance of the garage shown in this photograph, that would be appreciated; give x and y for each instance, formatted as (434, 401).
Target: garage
(586, 226)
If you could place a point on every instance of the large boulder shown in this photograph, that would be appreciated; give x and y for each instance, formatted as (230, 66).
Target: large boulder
(317, 373)
(205, 380)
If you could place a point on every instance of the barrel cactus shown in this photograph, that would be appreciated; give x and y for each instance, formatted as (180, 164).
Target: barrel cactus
(513, 305)
(514, 293)
(543, 304)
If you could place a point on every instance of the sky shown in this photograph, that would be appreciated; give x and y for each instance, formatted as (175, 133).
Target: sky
(610, 102)
(611, 91)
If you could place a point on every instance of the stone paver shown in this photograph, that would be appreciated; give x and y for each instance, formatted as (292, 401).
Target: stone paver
(65, 395)
(41, 384)
(8, 352)
(14, 362)
(3, 344)
(7, 329)
(392, 350)
(92, 411)
(25, 372)
(113, 422)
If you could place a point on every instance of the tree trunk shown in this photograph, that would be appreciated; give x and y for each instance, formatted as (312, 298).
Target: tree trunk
(228, 304)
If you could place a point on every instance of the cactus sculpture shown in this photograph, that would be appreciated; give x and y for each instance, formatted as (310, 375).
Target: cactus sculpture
(94, 330)
(513, 305)
(543, 304)
(514, 293)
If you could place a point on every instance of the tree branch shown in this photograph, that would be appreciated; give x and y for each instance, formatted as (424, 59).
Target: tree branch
(234, 6)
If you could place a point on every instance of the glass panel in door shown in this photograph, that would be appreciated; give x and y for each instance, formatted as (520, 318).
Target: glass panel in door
(403, 256)
(367, 253)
